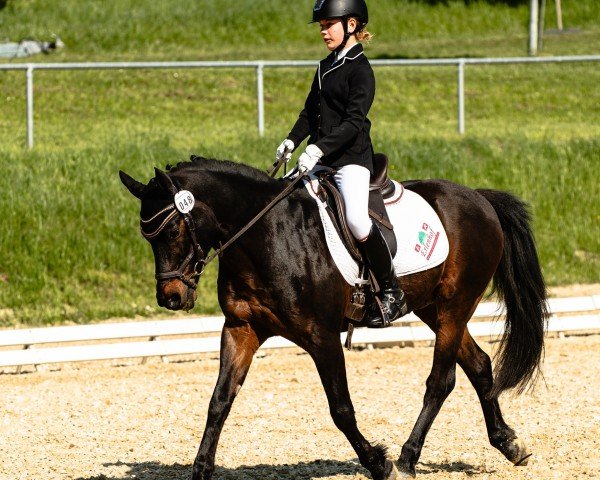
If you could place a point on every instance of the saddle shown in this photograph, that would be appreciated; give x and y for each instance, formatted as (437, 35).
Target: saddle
(380, 188)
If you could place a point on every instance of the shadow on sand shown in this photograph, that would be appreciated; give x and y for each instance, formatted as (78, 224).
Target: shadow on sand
(299, 471)
(424, 469)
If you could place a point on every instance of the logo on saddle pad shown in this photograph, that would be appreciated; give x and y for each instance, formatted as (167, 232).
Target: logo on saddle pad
(427, 240)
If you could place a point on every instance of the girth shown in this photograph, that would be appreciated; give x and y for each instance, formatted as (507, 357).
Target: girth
(381, 187)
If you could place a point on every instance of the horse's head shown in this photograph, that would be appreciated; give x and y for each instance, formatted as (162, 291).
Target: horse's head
(179, 229)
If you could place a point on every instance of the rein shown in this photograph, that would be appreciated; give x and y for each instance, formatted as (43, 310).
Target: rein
(260, 214)
(192, 279)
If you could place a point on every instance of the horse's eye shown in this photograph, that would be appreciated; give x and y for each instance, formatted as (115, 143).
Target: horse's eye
(173, 233)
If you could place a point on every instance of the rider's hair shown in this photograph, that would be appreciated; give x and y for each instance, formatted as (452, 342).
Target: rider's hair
(362, 35)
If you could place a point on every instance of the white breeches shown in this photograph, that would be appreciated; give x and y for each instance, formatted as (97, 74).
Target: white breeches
(353, 183)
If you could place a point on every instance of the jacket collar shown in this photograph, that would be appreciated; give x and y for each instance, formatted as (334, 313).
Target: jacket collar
(356, 51)
(326, 65)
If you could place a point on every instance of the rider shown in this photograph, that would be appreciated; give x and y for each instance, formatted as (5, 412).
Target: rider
(335, 119)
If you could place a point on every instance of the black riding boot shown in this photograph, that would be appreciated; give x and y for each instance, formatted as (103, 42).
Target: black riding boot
(392, 303)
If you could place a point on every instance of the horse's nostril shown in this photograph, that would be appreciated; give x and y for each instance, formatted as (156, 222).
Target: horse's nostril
(174, 301)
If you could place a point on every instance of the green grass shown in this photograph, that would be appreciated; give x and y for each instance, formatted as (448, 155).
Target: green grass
(70, 250)
(212, 29)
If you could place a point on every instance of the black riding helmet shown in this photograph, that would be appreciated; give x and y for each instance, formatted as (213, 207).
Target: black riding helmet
(342, 9)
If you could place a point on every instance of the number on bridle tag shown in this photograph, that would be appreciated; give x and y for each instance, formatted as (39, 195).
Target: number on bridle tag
(184, 201)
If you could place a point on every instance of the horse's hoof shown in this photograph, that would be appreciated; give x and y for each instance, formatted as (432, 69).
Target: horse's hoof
(394, 474)
(523, 453)
(403, 474)
(200, 472)
(518, 453)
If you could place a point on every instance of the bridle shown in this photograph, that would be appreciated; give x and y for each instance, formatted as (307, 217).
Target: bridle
(192, 279)
(196, 253)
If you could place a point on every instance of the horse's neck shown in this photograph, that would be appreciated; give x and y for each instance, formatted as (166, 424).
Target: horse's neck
(235, 201)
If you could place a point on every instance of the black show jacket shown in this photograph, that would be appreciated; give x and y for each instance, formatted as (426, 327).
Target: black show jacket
(335, 112)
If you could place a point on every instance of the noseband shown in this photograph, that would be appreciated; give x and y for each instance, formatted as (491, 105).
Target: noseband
(192, 279)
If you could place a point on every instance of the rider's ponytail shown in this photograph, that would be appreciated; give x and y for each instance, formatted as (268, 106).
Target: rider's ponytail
(364, 36)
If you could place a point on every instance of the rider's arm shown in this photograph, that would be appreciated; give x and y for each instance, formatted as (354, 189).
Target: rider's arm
(301, 128)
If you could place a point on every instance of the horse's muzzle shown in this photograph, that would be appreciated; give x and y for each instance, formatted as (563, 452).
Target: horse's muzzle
(175, 295)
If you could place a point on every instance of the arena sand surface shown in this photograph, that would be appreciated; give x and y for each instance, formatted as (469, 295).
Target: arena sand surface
(123, 420)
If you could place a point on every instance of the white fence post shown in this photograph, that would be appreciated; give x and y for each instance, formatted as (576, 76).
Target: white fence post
(461, 97)
(29, 99)
(533, 27)
(260, 98)
(559, 22)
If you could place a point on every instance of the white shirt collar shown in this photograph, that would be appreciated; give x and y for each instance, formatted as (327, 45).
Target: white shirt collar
(343, 53)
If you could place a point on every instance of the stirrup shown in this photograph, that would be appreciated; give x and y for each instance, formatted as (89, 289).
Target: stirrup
(387, 310)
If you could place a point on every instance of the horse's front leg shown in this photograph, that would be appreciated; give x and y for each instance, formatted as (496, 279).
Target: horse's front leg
(328, 356)
(239, 342)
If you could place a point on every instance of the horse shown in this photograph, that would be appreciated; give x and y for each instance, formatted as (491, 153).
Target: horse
(278, 278)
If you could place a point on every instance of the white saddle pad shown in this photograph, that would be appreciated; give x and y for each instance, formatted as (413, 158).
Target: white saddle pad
(421, 238)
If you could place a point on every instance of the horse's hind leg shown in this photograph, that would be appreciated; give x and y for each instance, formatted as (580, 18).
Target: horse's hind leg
(328, 356)
(448, 325)
(478, 368)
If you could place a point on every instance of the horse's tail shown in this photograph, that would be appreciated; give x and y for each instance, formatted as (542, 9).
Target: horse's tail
(518, 281)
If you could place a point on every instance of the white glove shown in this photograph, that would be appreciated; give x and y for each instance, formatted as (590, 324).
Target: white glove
(284, 150)
(309, 158)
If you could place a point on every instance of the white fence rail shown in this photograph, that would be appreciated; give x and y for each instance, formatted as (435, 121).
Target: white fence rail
(586, 310)
(260, 65)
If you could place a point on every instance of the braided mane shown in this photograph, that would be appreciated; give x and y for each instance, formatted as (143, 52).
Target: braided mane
(227, 167)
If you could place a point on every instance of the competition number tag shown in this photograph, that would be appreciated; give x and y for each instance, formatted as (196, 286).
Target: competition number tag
(184, 201)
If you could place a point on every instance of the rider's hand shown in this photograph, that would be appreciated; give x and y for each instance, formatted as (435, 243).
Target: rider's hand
(309, 158)
(284, 150)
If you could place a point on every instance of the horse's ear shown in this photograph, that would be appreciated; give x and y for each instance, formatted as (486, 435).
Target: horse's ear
(165, 181)
(136, 188)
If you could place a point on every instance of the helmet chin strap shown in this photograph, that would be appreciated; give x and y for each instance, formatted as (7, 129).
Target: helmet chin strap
(346, 35)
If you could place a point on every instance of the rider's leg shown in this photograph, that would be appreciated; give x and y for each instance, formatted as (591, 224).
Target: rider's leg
(353, 183)
(393, 302)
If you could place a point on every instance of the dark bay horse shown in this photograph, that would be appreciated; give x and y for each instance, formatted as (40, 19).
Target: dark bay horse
(279, 279)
